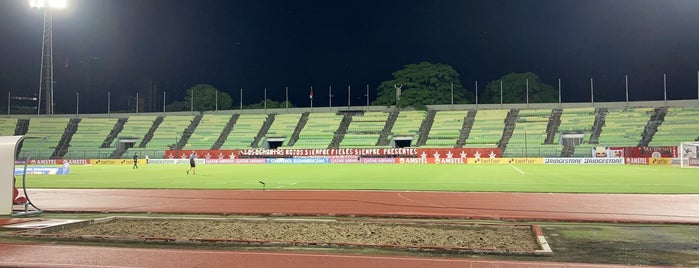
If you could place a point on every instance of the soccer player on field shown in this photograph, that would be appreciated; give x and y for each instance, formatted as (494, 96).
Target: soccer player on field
(192, 163)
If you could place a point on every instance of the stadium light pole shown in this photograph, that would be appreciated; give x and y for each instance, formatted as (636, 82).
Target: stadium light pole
(665, 88)
(367, 95)
(626, 78)
(592, 92)
(46, 74)
(527, 92)
(559, 93)
(476, 94)
(501, 104)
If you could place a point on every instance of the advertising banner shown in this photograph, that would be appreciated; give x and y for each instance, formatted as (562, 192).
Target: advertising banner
(55, 162)
(437, 153)
(584, 161)
(236, 161)
(660, 161)
(607, 152)
(297, 160)
(651, 151)
(116, 161)
(636, 161)
(39, 170)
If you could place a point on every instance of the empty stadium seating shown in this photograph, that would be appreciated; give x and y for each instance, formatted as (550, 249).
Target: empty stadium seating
(364, 130)
(283, 127)
(208, 131)
(7, 126)
(530, 128)
(487, 129)
(446, 128)
(680, 125)
(408, 124)
(244, 131)
(319, 130)
(623, 127)
(136, 128)
(51, 128)
(89, 136)
(169, 132)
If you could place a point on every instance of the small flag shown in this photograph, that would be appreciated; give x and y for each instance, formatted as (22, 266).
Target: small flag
(310, 95)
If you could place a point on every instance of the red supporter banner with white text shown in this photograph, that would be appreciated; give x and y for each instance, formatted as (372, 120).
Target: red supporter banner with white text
(438, 153)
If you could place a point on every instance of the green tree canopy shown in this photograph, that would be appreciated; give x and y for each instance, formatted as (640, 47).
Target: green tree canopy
(514, 90)
(205, 97)
(423, 84)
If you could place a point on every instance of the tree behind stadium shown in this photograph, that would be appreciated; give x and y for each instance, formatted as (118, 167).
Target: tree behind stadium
(422, 84)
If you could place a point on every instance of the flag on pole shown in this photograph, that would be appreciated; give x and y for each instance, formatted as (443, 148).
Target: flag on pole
(310, 95)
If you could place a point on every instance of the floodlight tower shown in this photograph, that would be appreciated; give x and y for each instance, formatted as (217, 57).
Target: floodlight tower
(46, 78)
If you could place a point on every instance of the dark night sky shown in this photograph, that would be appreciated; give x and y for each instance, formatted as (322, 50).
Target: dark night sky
(107, 45)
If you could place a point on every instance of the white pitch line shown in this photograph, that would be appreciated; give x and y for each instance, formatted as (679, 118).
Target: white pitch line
(520, 171)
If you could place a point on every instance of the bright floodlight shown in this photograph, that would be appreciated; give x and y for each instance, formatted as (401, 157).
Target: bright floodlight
(48, 3)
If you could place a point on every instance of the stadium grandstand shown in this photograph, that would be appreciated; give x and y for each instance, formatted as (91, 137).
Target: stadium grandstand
(518, 130)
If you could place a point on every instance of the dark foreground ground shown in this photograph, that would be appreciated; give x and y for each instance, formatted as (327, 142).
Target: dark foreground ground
(584, 230)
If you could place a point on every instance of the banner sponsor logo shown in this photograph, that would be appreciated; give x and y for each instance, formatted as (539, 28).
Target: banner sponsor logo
(412, 161)
(43, 170)
(603, 161)
(660, 161)
(172, 161)
(237, 161)
(297, 160)
(378, 160)
(450, 161)
(491, 161)
(527, 161)
(55, 162)
(562, 160)
(636, 161)
(343, 160)
(693, 162)
(113, 161)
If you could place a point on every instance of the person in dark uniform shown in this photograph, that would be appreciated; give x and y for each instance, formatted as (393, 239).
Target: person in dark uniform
(192, 163)
(135, 161)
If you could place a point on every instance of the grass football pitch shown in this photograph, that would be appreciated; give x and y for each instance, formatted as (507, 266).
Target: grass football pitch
(415, 177)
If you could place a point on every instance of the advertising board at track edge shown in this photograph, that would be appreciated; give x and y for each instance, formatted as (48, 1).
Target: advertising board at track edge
(372, 160)
(647, 161)
(345, 152)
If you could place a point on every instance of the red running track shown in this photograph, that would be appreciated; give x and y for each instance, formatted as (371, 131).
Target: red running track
(511, 206)
(641, 208)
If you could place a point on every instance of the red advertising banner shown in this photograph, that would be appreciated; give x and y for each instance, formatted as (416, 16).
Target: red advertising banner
(651, 151)
(636, 152)
(437, 153)
(636, 161)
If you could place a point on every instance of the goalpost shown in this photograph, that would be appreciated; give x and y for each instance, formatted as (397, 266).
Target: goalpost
(688, 154)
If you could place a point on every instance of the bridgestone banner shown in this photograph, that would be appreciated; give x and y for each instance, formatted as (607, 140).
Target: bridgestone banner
(584, 161)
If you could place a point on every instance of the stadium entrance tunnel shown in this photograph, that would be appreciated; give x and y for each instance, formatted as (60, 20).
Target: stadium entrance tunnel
(401, 142)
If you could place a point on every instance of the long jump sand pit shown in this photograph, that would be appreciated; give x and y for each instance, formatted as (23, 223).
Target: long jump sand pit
(422, 235)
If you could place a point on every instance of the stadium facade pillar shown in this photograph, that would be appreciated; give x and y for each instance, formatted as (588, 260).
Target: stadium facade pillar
(8, 147)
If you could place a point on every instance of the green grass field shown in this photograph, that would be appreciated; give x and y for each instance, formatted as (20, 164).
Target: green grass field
(491, 178)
